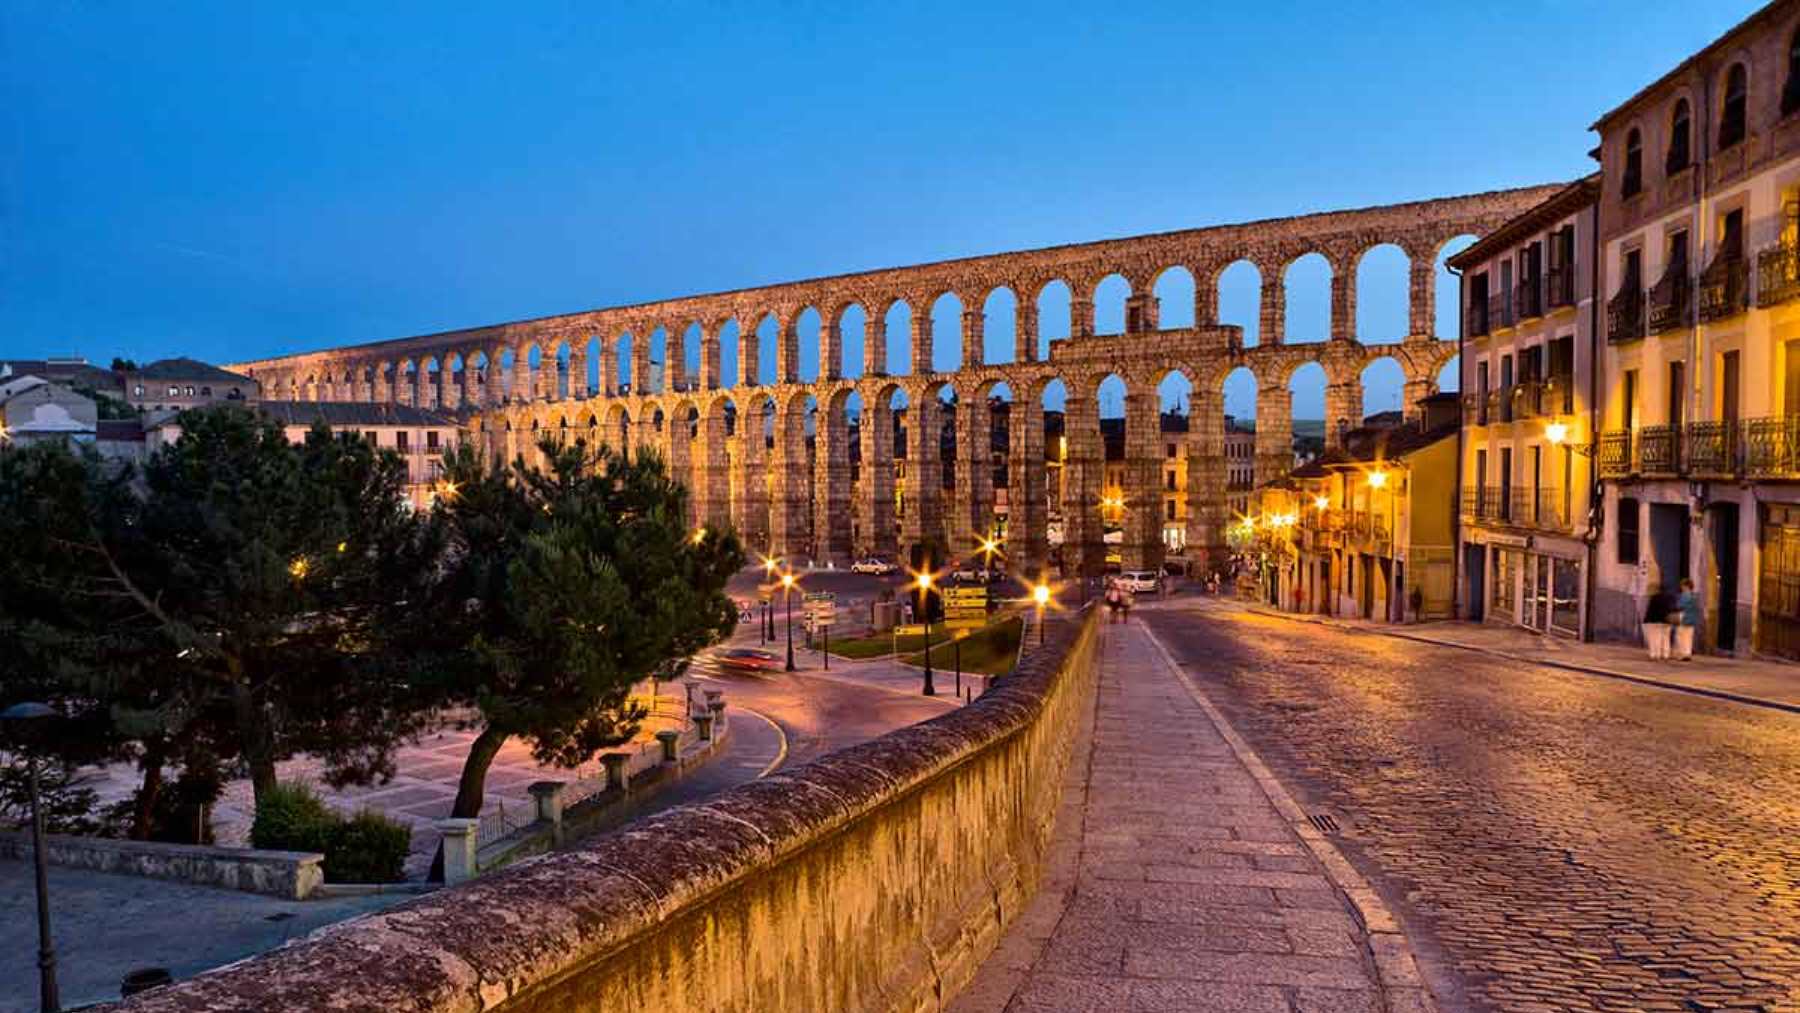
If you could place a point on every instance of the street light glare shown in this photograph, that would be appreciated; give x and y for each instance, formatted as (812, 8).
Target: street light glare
(787, 580)
(1322, 502)
(1556, 432)
(1041, 594)
(925, 581)
(1377, 479)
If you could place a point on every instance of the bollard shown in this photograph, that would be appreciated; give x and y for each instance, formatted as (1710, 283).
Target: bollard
(703, 722)
(718, 715)
(618, 770)
(459, 849)
(549, 798)
(671, 744)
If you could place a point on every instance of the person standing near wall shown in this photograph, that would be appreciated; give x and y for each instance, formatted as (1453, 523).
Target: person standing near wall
(1688, 618)
(1656, 624)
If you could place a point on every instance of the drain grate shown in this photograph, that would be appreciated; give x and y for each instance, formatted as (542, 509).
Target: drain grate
(1323, 822)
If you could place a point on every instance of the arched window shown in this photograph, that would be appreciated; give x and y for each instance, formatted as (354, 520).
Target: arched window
(1633, 180)
(1790, 92)
(1732, 116)
(1680, 126)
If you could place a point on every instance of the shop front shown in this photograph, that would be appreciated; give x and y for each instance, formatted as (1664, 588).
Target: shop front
(1533, 582)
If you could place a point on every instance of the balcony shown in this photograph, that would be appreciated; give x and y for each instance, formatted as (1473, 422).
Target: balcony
(1659, 450)
(1671, 301)
(1778, 274)
(1478, 318)
(1711, 449)
(1500, 405)
(1540, 508)
(1483, 502)
(1625, 315)
(1724, 288)
(1474, 406)
(1561, 287)
(1500, 311)
(1615, 454)
(1528, 400)
(1528, 299)
(1771, 446)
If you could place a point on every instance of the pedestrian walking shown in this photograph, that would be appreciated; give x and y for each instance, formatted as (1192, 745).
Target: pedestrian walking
(1656, 624)
(1113, 602)
(1687, 615)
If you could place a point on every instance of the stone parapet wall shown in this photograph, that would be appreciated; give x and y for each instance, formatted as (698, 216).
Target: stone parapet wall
(874, 878)
(290, 874)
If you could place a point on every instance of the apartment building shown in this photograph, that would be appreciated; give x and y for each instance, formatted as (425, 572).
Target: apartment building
(1528, 369)
(1699, 450)
(419, 436)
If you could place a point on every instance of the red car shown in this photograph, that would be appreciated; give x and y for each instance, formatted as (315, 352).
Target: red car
(750, 659)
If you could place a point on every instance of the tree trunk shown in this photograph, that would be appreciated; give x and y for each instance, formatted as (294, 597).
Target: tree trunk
(472, 786)
(257, 740)
(143, 814)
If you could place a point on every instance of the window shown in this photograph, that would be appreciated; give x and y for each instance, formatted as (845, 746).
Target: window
(431, 440)
(1170, 452)
(206, 392)
(174, 391)
(1630, 399)
(1732, 115)
(1731, 239)
(1790, 92)
(138, 391)
(1505, 504)
(1633, 179)
(1678, 253)
(1481, 388)
(1168, 476)
(190, 390)
(1677, 392)
(400, 439)
(1628, 530)
(1169, 509)
(1680, 126)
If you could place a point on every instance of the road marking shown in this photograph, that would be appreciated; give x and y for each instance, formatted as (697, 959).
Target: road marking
(780, 754)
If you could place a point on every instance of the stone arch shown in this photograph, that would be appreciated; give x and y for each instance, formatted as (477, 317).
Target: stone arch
(948, 339)
(1055, 314)
(1001, 330)
(1383, 295)
(617, 430)
(1383, 379)
(1110, 296)
(1306, 282)
(848, 326)
(729, 341)
(810, 345)
(623, 351)
(1173, 291)
(897, 320)
(1443, 295)
(693, 358)
(770, 337)
(1307, 383)
(1239, 297)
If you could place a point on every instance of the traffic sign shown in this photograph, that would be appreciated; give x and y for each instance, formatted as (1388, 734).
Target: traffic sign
(965, 623)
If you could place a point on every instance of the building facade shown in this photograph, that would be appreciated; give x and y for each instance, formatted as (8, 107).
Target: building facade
(1700, 261)
(420, 437)
(177, 384)
(1528, 372)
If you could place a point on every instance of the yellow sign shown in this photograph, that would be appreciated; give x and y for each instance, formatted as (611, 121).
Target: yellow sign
(964, 624)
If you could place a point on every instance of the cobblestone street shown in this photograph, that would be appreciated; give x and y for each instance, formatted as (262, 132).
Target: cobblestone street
(1551, 840)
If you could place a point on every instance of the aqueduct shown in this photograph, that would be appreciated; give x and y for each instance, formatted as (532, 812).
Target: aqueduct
(590, 375)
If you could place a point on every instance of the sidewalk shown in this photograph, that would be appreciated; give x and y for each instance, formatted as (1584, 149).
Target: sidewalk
(1182, 877)
(1746, 680)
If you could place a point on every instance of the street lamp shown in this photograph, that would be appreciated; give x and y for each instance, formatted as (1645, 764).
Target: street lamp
(1377, 480)
(47, 992)
(787, 598)
(1041, 595)
(924, 586)
(769, 565)
(1558, 433)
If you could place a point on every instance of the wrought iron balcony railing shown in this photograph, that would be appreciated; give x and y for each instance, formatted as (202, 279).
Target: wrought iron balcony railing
(1771, 446)
(1474, 406)
(1528, 299)
(1560, 286)
(1659, 450)
(1711, 449)
(1625, 315)
(1540, 508)
(1777, 274)
(1478, 319)
(1671, 301)
(1615, 454)
(1500, 310)
(1724, 288)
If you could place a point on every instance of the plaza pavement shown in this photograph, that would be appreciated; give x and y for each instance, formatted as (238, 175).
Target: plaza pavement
(1183, 877)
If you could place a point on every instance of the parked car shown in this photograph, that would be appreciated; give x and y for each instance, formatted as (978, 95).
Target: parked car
(972, 574)
(879, 567)
(750, 659)
(1140, 581)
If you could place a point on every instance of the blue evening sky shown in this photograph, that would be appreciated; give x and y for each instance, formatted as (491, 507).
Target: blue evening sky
(236, 180)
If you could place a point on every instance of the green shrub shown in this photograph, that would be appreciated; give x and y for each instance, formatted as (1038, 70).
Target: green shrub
(368, 848)
(292, 818)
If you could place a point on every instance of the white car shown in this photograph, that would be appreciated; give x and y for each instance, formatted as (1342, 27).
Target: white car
(879, 567)
(972, 575)
(1140, 581)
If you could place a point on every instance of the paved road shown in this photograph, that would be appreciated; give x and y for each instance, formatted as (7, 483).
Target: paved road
(1553, 840)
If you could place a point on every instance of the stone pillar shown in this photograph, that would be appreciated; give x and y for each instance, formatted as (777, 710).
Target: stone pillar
(1140, 313)
(921, 341)
(792, 488)
(877, 499)
(548, 379)
(1025, 329)
(875, 345)
(749, 366)
(1272, 320)
(679, 437)
(1025, 470)
(750, 482)
(675, 375)
(972, 498)
(1343, 410)
(712, 491)
(1274, 433)
(1143, 547)
(1343, 301)
(618, 770)
(1414, 392)
(831, 348)
(974, 338)
(450, 386)
(924, 517)
(1207, 515)
(609, 368)
(578, 371)
(640, 360)
(787, 350)
(1206, 297)
(710, 366)
(703, 726)
(521, 387)
(548, 797)
(1084, 551)
(670, 740)
(1081, 316)
(1421, 300)
(459, 849)
(382, 385)
(831, 473)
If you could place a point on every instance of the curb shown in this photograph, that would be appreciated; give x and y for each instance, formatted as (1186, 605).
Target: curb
(1396, 971)
(1570, 666)
(780, 754)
